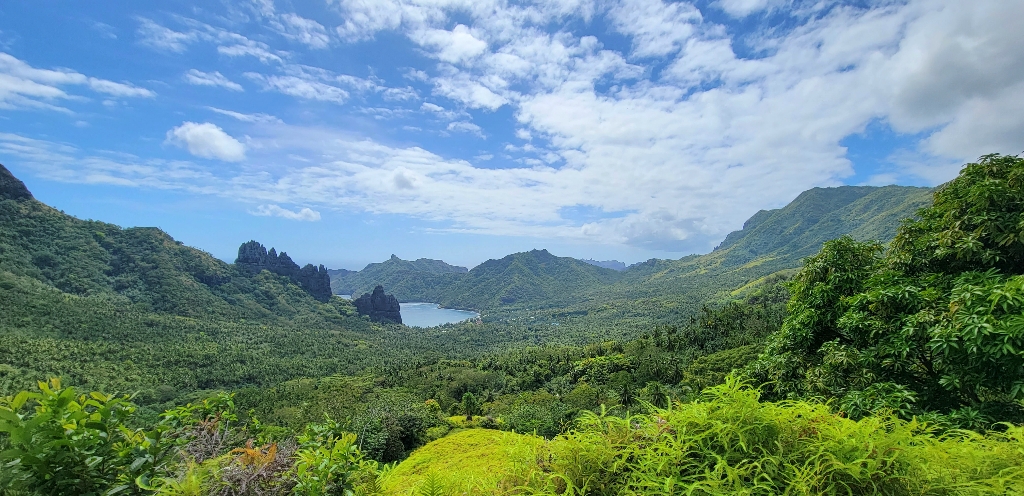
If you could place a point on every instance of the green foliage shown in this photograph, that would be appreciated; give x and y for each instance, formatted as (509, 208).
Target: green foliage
(327, 465)
(934, 325)
(470, 406)
(408, 280)
(62, 442)
(728, 441)
(711, 370)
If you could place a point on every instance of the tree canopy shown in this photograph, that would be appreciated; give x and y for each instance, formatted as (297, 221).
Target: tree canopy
(933, 324)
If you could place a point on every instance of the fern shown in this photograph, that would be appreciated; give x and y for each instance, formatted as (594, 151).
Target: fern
(433, 486)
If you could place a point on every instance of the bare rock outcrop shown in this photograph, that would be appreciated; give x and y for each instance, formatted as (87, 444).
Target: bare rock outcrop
(379, 306)
(254, 257)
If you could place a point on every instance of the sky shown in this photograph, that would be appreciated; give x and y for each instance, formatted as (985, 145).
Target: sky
(344, 131)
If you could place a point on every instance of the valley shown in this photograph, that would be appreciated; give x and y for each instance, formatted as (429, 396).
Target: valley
(558, 353)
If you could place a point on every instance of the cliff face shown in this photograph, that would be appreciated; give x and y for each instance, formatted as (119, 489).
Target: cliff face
(379, 306)
(11, 188)
(254, 257)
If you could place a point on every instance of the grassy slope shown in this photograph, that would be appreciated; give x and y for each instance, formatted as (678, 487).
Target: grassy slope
(726, 442)
(472, 461)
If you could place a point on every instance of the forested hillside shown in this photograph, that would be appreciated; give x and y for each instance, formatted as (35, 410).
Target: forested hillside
(890, 362)
(770, 241)
(409, 280)
(135, 310)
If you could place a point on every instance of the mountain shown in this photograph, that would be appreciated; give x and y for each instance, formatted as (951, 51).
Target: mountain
(141, 265)
(820, 214)
(775, 240)
(409, 280)
(770, 241)
(608, 264)
(534, 278)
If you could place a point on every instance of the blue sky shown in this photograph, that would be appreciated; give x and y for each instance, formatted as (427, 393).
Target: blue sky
(343, 131)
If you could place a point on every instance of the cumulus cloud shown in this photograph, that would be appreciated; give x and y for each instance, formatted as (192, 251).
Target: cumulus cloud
(271, 210)
(200, 78)
(453, 46)
(465, 89)
(364, 19)
(206, 140)
(657, 28)
(674, 137)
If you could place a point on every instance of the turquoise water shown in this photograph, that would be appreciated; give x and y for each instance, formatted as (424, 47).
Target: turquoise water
(430, 314)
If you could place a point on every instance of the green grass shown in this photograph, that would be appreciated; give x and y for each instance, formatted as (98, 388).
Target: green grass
(726, 442)
(471, 461)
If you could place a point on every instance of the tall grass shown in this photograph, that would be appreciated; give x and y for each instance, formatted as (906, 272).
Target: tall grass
(730, 442)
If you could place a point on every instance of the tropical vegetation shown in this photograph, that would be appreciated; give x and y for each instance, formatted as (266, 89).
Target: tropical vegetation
(130, 364)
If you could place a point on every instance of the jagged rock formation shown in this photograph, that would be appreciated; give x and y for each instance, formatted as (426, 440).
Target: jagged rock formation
(254, 257)
(11, 188)
(379, 306)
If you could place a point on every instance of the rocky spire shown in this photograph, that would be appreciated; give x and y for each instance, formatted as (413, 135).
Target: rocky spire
(254, 257)
(379, 306)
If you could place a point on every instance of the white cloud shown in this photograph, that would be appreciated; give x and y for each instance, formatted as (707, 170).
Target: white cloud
(215, 78)
(463, 88)
(400, 94)
(250, 50)
(257, 118)
(271, 210)
(24, 86)
(301, 87)
(743, 8)
(362, 19)
(675, 139)
(118, 89)
(453, 46)
(105, 30)
(442, 112)
(302, 30)
(466, 127)
(161, 38)
(955, 62)
(228, 42)
(207, 140)
(657, 28)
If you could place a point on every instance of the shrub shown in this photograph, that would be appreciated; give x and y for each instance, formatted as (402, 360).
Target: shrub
(62, 442)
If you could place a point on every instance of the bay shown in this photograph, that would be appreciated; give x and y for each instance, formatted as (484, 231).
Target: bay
(431, 314)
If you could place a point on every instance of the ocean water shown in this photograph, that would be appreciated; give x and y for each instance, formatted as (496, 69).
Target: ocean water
(430, 314)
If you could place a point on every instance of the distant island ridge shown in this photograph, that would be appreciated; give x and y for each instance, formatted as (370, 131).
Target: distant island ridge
(608, 264)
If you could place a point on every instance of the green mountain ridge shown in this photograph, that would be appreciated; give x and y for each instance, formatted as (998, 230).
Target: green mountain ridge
(533, 278)
(770, 241)
(408, 280)
(777, 240)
